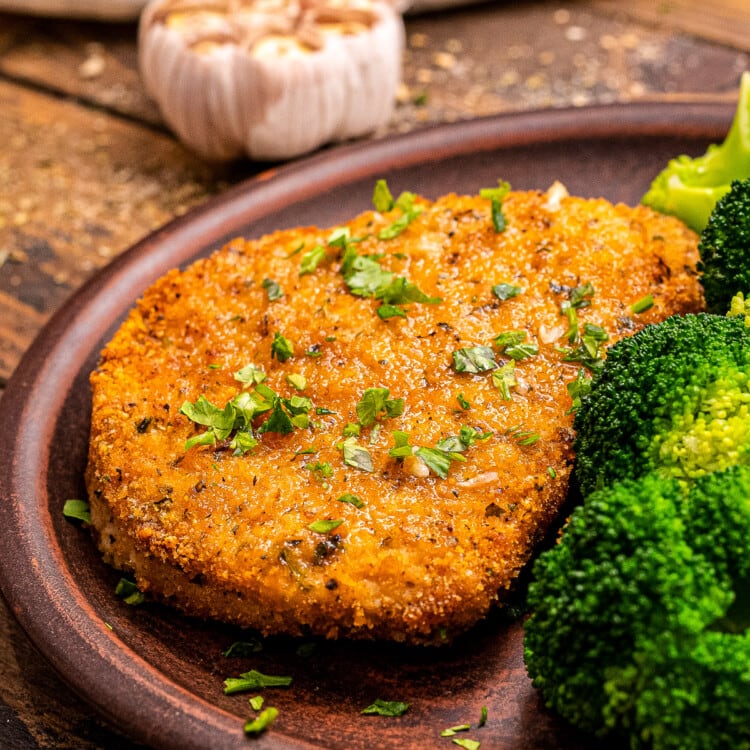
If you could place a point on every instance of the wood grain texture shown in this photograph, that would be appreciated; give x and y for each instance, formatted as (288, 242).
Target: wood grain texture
(723, 21)
(77, 186)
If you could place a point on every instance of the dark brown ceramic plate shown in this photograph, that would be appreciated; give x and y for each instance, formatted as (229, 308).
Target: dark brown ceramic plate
(157, 675)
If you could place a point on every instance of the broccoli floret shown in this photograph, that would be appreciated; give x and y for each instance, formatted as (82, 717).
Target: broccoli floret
(725, 248)
(689, 187)
(673, 398)
(639, 624)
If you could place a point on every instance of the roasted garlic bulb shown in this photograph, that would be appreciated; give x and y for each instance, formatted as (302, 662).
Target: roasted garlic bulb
(270, 79)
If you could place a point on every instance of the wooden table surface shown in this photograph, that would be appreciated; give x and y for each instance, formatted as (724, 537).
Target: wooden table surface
(87, 168)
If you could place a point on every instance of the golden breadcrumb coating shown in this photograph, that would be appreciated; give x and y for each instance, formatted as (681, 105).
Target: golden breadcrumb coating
(225, 534)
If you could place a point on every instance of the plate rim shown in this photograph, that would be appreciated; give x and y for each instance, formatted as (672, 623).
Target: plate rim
(45, 615)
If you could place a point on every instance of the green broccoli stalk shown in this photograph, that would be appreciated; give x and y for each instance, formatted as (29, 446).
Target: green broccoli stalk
(725, 248)
(640, 613)
(673, 398)
(689, 187)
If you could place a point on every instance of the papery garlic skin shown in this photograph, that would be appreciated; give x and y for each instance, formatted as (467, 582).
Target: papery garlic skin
(230, 85)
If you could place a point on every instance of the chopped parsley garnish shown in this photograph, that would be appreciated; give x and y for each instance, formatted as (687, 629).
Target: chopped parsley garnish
(578, 388)
(78, 509)
(401, 447)
(451, 731)
(241, 649)
(523, 437)
(514, 345)
(326, 526)
(401, 292)
(643, 304)
(129, 593)
(250, 375)
(390, 311)
(312, 259)
(382, 199)
(237, 416)
(348, 497)
(474, 359)
(281, 348)
(341, 237)
(367, 277)
(439, 458)
(468, 436)
(590, 350)
(273, 290)
(242, 443)
(409, 212)
(386, 708)
(297, 381)
(376, 402)
(495, 196)
(572, 315)
(580, 296)
(465, 439)
(352, 429)
(462, 402)
(466, 744)
(261, 722)
(504, 378)
(355, 455)
(254, 680)
(323, 470)
(220, 422)
(279, 420)
(506, 291)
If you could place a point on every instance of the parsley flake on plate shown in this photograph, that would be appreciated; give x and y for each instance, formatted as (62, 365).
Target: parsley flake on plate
(386, 708)
(254, 680)
(78, 509)
(261, 722)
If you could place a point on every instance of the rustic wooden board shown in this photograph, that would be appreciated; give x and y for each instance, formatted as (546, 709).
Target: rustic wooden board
(724, 21)
(77, 186)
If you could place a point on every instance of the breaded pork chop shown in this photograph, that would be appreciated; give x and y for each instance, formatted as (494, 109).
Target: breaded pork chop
(364, 431)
